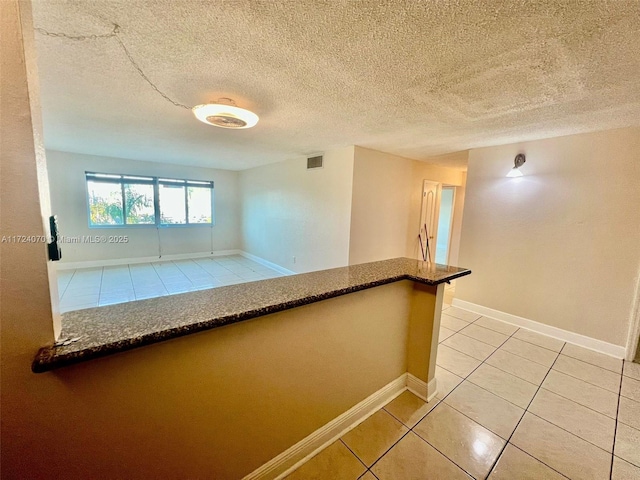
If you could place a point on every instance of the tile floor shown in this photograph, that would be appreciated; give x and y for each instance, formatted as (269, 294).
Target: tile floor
(93, 287)
(511, 404)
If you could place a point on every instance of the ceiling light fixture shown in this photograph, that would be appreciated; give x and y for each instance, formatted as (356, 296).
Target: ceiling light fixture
(226, 114)
(518, 162)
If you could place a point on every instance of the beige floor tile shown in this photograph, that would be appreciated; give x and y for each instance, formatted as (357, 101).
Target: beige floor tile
(485, 335)
(624, 470)
(520, 367)
(472, 347)
(630, 388)
(505, 385)
(589, 373)
(632, 370)
(543, 341)
(496, 325)
(628, 444)
(374, 436)
(335, 461)
(530, 352)
(368, 476)
(594, 358)
(583, 393)
(515, 464)
(452, 323)
(456, 362)
(587, 424)
(629, 413)
(446, 382)
(409, 409)
(561, 450)
(414, 459)
(445, 333)
(463, 441)
(462, 314)
(489, 410)
(445, 306)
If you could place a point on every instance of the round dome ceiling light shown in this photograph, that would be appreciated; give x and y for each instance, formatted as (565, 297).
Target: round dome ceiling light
(224, 113)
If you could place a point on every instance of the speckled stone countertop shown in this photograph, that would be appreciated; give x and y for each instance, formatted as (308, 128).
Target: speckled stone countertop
(106, 330)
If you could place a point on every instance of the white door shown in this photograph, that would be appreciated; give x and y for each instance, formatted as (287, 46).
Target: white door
(428, 229)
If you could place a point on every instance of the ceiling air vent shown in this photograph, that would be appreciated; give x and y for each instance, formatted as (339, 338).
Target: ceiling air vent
(314, 162)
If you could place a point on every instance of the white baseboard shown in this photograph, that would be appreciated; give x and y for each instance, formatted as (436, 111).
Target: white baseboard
(423, 390)
(129, 261)
(308, 447)
(633, 335)
(182, 256)
(555, 332)
(267, 263)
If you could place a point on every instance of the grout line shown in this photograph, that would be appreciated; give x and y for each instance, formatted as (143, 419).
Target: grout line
(474, 420)
(572, 400)
(615, 429)
(582, 380)
(593, 364)
(100, 289)
(444, 312)
(441, 453)
(520, 421)
(540, 346)
(348, 448)
(466, 353)
(442, 400)
(534, 361)
(514, 375)
(60, 295)
(570, 432)
(392, 446)
(477, 339)
(529, 455)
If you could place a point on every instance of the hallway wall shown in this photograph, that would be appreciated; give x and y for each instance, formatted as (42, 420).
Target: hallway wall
(561, 245)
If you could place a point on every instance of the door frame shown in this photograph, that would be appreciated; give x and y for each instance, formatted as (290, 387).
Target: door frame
(433, 237)
(633, 337)
(451, 220)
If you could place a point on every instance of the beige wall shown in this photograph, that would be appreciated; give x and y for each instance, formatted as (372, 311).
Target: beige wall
(380, 210)
(69, 202)
(212, 405)
(561, 245)
(387, 197)
(289, 211)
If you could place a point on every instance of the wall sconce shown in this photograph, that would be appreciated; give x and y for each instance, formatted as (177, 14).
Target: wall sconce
(518, 162)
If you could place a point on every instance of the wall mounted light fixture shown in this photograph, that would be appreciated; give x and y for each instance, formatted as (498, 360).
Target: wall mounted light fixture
(518, 162)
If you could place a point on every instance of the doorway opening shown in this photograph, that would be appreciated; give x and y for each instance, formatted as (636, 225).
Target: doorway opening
(445, 224)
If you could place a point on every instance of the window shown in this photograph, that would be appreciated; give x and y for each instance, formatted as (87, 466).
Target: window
(123, 200)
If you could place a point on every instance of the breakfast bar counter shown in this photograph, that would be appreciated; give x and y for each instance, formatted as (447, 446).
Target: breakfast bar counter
(101, 331)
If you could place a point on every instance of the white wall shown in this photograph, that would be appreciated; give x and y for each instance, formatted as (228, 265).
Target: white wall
(289, 211)
(387, 197)
(561, 245)
(69, 202)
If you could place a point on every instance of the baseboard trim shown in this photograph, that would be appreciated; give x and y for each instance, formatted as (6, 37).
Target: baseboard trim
(129, 261)
(266, 263)
(555, 332)
(425, 391)
(308, 447)
(181, 256)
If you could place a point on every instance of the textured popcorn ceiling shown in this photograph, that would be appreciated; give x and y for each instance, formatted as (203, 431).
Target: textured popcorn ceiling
(416, 79)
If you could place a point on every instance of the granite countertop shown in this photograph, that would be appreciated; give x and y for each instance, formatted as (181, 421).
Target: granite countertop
(96, 332)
